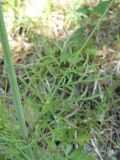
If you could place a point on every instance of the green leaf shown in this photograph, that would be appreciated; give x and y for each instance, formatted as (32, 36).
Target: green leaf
(101, 7)
(2, 157)
(74, 42)
(82, 10)
(80, 155)
(77, 34)
(83, 138)
(68, 149)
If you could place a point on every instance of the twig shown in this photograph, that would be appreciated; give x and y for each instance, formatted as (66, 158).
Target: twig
(95, 87)
(101, 93)
(5, 97)
(96, 149)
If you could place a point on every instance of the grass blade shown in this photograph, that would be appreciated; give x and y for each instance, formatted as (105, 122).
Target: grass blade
(12, 76)
(13, 80)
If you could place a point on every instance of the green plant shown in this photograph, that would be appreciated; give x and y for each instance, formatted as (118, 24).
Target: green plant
(62, 104)
(12, 77)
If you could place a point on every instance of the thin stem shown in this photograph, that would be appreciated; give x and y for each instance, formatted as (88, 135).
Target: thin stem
(13, 80)
(12, 76)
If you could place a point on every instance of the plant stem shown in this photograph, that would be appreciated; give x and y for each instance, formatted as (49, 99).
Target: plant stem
(12, 78)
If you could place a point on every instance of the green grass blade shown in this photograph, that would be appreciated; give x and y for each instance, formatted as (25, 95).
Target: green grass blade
(13, 80)
(12, 76)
